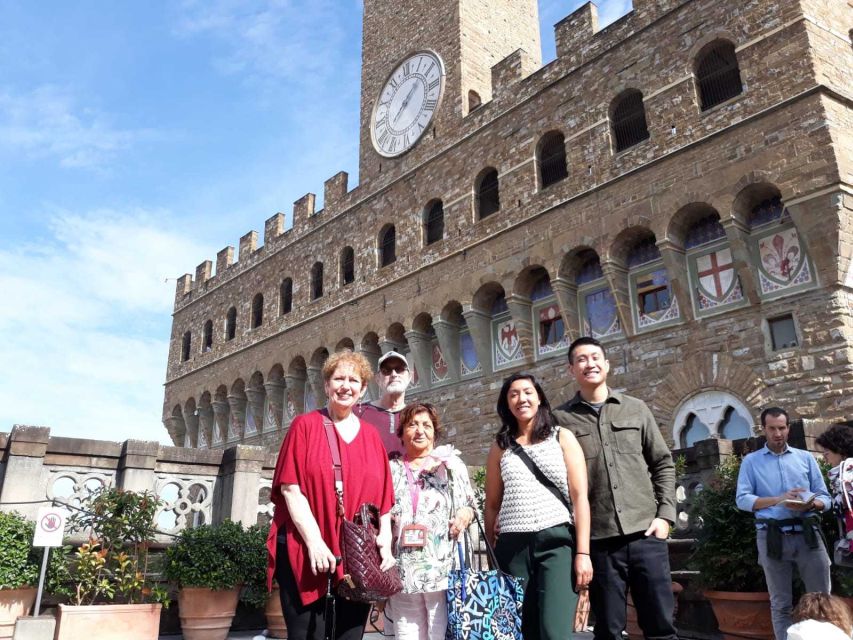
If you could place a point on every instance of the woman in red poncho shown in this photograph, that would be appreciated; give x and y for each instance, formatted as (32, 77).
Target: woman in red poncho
(303, 541)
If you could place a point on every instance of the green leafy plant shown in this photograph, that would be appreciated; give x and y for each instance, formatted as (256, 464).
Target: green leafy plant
(479, 478)
(19, 561)
(113, 565)
(255, 562)
(217, 557)
(726, 555)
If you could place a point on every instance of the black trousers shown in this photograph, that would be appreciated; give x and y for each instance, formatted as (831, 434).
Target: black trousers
(309, 622)
(642, 564)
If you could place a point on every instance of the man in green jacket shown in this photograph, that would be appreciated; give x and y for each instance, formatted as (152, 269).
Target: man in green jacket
(631, 497)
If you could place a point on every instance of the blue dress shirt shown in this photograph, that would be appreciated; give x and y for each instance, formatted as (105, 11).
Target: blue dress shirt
(764, 474)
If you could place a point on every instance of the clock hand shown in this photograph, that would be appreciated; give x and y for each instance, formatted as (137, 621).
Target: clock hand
(405, 103)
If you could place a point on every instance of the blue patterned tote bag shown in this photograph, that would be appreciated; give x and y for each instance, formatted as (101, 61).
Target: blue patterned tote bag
(483, 604)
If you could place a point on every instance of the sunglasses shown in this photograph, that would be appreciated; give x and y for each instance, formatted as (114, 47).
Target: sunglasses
(399, 369)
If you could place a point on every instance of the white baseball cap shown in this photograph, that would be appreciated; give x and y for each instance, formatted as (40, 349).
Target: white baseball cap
(391, 355)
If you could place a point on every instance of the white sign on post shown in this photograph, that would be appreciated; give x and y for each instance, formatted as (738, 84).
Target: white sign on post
(50, 527)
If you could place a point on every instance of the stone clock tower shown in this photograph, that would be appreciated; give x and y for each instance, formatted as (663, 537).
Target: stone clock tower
(421, 61)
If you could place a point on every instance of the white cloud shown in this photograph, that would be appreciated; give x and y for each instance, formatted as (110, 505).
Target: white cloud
(48, 122)
(87, 325)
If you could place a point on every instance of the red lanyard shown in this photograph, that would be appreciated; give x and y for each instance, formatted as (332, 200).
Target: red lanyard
(414, 488)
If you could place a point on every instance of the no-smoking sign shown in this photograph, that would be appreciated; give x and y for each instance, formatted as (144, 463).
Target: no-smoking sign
(50, 527)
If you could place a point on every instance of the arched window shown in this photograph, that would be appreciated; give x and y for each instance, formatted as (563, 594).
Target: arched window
(488, 194)
(186, 346)
(654, 304)
(734, 426)
(286, 293)
(434, 222)
(347, 266)
(552, 159)
(387, 246)
(317, 281)
(207, 338)
(694, 431)
(231, 323)
(474, 100)
(597, 306)
(629, 120)
(718, 75)
(257, 310)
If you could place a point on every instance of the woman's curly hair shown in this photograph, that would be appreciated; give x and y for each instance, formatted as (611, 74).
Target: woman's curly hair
(838, 439)
(824, 608)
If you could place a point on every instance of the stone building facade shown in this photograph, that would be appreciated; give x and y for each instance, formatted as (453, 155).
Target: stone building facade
(678, 184)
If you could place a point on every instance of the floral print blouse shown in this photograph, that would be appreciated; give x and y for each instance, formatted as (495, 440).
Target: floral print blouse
(841, 485)
(444, 489)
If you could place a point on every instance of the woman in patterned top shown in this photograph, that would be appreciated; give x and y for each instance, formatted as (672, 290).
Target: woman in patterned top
(434, 503)
(837, 445)
(536, 490)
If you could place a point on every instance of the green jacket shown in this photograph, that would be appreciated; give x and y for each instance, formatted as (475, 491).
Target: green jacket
(630, 468)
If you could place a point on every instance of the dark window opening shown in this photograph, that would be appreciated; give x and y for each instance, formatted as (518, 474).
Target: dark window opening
(286, 296)
(186, 345)
(257, 311)
(434, 223)
(552, 160)
(317, 281)
(629, 121)
(653, 300)
(207, 338)
(231, 324)
(488, 194)
(347, 266)
(718, 75)
(783, 332)
(388, 246)
(474, 100)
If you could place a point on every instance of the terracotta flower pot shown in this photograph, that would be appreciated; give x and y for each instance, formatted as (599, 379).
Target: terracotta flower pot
(206, 614)
(108, 622)
(742, 615)
(275, 618)
(14, 603)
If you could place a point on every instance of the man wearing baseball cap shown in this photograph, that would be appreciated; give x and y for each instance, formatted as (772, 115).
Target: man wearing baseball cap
(392, 378)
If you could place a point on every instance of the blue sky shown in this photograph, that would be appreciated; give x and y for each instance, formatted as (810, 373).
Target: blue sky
(136, 140)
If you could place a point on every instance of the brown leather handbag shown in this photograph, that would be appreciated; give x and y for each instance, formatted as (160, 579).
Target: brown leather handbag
(363, 580)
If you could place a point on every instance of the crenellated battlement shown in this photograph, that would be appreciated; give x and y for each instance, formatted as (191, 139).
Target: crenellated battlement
(511, 70)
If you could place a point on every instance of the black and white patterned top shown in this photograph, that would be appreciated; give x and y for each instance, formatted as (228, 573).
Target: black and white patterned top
(527, 505)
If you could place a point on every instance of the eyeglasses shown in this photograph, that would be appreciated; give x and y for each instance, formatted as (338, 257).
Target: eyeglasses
(399, 369)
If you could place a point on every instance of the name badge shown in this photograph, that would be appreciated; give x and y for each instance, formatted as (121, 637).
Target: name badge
(414, 536)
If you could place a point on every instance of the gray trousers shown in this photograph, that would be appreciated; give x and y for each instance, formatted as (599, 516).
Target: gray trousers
(812, 565)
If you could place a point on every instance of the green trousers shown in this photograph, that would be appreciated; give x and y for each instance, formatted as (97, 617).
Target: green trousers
(543, 562)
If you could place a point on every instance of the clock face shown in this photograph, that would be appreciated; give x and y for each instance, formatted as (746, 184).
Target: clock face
(406, 103)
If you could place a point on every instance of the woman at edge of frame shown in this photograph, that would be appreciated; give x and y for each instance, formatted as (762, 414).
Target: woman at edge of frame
(536, 541)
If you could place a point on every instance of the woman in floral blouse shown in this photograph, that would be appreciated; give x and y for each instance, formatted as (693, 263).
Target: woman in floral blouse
(434, 503)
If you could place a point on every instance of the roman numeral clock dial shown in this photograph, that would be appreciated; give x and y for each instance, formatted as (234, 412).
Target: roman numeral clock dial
(406, 103)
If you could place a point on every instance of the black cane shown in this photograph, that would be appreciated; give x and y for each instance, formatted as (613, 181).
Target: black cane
(331, 611)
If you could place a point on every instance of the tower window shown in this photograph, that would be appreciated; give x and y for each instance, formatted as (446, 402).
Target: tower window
(783, 332)
(347, 266)
(186, 346)
(718, 75)
(231, 323)
(488, 194)
(257, 311)
(434, 222)
(317, 281)
(286, 293)
(388, 246)
(207, 339)
(629, 120)
(552, 159)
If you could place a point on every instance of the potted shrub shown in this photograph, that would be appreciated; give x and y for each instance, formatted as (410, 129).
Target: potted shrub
(106, 578)
(255, 585)
(210, 564)
(727, 558)
(19, 570)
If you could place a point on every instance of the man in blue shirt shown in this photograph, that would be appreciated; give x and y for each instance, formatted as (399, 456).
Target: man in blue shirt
(784, 487)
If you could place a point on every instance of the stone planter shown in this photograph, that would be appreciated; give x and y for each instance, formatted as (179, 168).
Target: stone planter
(275, 618)
(108, 622)
(14, 603)
(206, 614)
(632, 627)
(742, 615)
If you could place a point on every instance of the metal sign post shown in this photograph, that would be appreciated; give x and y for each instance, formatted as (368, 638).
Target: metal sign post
(50, 527)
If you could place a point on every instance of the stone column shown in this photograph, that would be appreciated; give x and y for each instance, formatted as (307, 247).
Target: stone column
(617, 279)
(237, 415)
(205, 426)
(738, 237)
(255, 409)
(480, 327)
(519, 310)
(240, 473)
(221, 421)
(136, 465)
(566, 293)
(679, 279)
(448, 339)
(275, 405)
(23, 480)
(177, 429)
(420, 347)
